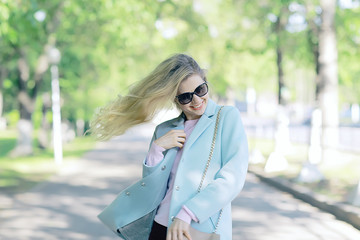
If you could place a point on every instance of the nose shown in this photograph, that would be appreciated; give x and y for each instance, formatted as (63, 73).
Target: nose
(196, 99)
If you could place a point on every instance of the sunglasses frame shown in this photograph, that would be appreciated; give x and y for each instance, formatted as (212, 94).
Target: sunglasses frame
(192, 93)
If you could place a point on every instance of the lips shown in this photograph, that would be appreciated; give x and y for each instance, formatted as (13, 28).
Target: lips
(198, 107)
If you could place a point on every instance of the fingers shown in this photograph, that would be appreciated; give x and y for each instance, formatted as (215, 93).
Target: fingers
(175, 235)
(187, 235)
(168, 235)
(180, 142)
(179, 136)
(179, 230)
(173, 138)
(178, 132)
(181, 139)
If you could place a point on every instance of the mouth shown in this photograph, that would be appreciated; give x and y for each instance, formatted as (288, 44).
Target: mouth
(198, 107)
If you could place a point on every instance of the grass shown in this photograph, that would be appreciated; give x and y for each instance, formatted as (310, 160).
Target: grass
(341, 169)
(7, 142)
(22, 173)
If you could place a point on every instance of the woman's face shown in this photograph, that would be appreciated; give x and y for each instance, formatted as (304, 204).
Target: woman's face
(196, 108)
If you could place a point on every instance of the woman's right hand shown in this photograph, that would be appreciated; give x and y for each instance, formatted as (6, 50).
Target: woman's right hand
(173, 138)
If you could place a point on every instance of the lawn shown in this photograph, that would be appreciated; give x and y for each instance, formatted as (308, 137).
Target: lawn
(341, 169)
(21, 174)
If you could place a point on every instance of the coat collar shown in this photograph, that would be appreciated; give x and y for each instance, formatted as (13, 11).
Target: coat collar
(203, 123)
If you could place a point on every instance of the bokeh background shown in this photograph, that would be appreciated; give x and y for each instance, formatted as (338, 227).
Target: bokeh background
(291, 68)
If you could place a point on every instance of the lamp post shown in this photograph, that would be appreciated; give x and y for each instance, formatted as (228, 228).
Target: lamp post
(54, 59)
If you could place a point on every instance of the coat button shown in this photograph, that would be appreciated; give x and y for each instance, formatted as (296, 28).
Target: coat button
(172, 218)
(127, 193)
(163, 167)
(177, 188)
(143, 184)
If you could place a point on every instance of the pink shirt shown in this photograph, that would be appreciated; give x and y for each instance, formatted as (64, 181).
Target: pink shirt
(154, 157)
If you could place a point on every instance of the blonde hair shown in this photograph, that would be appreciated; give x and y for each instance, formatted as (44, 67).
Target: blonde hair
(153, 93)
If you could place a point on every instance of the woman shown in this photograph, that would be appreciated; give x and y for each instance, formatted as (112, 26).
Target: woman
(167, 195)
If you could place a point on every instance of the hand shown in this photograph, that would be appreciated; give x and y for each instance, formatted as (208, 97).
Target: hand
(179, 230)
(173, 138)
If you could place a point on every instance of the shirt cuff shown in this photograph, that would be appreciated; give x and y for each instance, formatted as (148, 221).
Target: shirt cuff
(155, 155)
(186, 215)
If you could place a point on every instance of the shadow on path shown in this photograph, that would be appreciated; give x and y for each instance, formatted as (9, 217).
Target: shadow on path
(66, 207)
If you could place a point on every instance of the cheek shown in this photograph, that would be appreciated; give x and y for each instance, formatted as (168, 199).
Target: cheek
(181, 107)
(186, 108)
(205, 98)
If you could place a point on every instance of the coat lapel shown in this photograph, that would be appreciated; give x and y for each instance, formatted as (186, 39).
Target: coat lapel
(204, 122)
(178, 123)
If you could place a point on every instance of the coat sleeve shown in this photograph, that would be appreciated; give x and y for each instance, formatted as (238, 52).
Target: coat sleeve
(149, 169)
(230, 179)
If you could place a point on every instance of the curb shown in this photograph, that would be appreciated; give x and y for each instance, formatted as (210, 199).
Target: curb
(342, 211)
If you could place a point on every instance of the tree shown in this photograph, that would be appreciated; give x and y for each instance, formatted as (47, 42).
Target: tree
(348, 23)
(28, 41)
(328, 70)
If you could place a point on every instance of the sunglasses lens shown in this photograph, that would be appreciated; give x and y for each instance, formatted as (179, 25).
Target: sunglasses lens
(201, 90)
(185, 98)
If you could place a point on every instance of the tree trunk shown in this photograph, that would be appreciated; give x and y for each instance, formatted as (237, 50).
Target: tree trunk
(313, 41)
(314, 46)
(1, 88)
(281, 83)
(26, 108)
(279, 29)
(3, 75)
(2, 120)
(27, 96)
(328, 77)
(44, 136)
(1, 102)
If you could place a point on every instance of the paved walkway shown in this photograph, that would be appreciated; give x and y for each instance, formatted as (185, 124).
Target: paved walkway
(67, 205)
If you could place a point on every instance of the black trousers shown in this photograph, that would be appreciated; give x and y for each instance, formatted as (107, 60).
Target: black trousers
(158, 232)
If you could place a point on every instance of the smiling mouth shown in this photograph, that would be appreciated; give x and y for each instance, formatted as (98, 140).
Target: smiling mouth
(197, 107)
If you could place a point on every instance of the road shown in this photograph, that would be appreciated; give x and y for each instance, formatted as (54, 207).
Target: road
(66, 206)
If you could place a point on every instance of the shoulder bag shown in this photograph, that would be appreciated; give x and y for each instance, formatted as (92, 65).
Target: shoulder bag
(196, 234)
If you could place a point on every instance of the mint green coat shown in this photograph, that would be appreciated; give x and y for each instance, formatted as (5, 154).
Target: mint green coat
(224, 180)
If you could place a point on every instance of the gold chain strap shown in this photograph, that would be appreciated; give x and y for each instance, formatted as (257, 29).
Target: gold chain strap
(209, 160)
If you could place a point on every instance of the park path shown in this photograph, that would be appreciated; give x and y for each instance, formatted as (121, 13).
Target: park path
(66, 206)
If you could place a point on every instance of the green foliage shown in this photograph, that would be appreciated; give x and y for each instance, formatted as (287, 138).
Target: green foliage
(6, 145)
(348, 23)
(107, 45)
(13, 117)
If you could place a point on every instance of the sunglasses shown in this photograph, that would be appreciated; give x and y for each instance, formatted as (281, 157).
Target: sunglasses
(187, 97)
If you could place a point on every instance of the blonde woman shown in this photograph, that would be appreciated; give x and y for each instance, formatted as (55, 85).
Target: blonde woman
(166, 203)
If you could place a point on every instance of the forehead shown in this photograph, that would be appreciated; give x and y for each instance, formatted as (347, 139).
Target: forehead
(189, 84)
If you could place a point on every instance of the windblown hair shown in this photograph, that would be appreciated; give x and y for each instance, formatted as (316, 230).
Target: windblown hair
(145, 98)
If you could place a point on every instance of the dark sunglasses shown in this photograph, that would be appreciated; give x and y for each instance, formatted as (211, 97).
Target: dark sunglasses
(187, 97)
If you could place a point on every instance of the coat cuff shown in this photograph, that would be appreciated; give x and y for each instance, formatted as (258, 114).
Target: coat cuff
(186, 215)
(155, 155)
